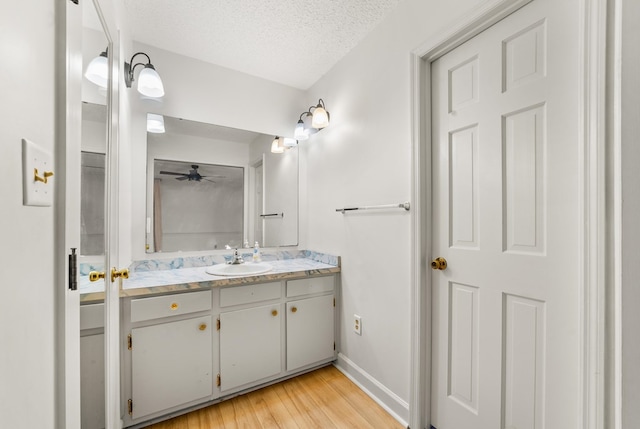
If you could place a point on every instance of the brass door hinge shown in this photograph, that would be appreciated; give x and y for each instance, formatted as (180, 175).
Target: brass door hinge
(218, 324)
(218, 380)
(129, 342)
(130, 406)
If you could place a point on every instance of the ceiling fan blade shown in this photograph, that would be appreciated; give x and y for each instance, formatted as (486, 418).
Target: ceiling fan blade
(173, 174)
(216, 175)
(208, 180)
(182, 178)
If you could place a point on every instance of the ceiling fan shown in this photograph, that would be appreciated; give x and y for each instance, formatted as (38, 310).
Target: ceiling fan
(191, 176)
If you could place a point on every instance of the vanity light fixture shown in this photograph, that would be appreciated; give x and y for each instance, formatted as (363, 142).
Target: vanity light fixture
(312, 121)
(98, 70)
(155, 123)
(149, 82)
(288, 142)
(277, 146)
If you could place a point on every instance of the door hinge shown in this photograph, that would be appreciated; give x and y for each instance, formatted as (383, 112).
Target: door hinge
(130, 406)
(218, 382)
(218, 324)
(74, 1)
(334, 346)
(334, 302)
(129, 342)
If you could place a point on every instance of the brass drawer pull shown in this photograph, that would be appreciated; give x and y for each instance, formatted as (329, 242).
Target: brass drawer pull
(294, 309)
(274, 313)
(174, 306)
(202, 326)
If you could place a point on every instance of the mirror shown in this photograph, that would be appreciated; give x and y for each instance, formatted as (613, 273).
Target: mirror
(212, 187)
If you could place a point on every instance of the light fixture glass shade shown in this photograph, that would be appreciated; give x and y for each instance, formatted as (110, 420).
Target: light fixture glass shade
(98, 71)
(155, 123)
(309, 130)
(289, 142)
(149, 82)
(277, 146)
(299, 133)
(320, 117)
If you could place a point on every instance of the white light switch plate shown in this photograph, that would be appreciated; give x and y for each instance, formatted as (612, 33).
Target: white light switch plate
(36, 193)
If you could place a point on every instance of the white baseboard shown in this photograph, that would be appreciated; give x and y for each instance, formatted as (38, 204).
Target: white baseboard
(392, 403)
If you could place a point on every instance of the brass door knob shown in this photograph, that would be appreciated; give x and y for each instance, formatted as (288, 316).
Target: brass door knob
(439, 264)
(124, 273)
(94, 276)
(274, 313)
(294, 309)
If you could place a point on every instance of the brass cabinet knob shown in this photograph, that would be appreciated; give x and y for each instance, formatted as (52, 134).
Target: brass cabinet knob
(439, 264)
(274, 313)
(174, 306)
(202, 326)
(96, 275)
(294, 309)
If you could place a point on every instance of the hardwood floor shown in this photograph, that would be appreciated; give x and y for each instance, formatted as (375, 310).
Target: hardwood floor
(321, 399)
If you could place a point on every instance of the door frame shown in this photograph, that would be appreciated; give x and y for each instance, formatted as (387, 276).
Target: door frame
(596, 244)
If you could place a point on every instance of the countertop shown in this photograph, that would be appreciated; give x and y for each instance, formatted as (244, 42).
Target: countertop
(157, 282)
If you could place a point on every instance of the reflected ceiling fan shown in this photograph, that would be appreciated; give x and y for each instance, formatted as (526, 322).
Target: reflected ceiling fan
(191, 176)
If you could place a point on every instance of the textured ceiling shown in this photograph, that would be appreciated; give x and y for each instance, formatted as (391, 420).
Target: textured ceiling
(293, 42)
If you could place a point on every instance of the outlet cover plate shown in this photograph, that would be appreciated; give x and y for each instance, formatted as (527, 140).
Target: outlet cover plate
(35, 193)
(357, 324)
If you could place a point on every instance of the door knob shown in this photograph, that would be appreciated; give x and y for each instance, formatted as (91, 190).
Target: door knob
(439, 264)
(124, 273)
(94, 276)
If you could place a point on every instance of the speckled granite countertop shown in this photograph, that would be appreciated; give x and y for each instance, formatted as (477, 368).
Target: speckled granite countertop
(166, 276)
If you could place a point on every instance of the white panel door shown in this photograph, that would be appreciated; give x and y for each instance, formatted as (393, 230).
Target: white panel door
(506, 217)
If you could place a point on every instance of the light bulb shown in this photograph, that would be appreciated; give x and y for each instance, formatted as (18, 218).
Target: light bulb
(98, 71)
(149, 82)
(155, 123)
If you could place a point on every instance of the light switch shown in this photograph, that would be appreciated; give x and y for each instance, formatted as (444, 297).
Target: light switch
(37, 172)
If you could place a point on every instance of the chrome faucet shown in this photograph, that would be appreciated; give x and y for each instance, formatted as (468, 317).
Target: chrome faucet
(237, 259)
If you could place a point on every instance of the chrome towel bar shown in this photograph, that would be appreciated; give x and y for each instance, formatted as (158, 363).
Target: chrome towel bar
(405, 206)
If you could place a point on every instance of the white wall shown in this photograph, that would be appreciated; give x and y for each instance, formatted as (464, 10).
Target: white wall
(27, 317)
(630, 213)
(364, 158)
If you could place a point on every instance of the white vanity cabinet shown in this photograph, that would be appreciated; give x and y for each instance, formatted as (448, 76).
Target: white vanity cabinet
(250, 337)
(310, 322)
(171, 352)
(190, 348)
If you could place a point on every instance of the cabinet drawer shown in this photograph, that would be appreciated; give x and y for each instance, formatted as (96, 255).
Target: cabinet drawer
(309, 286)
(91, 316)
(169, 305)
(237, 295)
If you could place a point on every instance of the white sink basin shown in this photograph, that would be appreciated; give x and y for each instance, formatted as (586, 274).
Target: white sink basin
(246, 269)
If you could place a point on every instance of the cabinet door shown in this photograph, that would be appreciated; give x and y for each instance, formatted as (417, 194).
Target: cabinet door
(171, 365)
(250, 345)
(310, 331)
(92, 381)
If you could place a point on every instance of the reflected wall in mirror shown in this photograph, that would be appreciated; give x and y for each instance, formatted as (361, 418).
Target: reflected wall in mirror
(247, 181)
(196, 206)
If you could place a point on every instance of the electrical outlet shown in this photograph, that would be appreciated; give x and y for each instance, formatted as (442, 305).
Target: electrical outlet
(357, 324)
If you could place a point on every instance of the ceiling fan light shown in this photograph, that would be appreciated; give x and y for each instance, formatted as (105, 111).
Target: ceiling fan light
(155, 123)
(98, 70)
(149, 82)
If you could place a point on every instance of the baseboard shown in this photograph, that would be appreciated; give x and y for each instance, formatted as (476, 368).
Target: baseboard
(392, 403)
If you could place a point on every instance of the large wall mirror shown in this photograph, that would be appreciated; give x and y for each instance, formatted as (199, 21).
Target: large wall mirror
(212, 187)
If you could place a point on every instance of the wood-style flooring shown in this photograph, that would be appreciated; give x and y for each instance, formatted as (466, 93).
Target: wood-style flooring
(321, 399)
